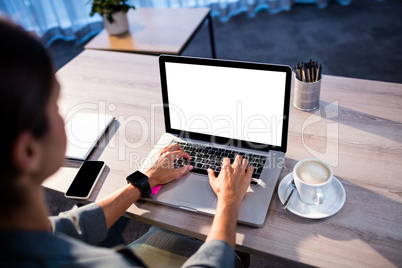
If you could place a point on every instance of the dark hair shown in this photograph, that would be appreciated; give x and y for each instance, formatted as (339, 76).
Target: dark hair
(26, 79)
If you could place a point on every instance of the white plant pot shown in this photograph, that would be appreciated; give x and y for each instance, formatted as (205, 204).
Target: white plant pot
(119, 25)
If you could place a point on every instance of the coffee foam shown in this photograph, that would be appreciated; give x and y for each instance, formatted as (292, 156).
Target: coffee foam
(313, 172)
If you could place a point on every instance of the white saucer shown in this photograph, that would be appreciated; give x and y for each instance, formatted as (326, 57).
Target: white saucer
(334, 200)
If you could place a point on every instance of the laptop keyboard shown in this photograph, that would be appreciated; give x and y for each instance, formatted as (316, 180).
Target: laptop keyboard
(204, 157)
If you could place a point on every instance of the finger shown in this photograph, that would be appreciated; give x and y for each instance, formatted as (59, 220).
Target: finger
(161, 151)
(237, 161)
(174, 147)
(250, 170)
(177, 154)
(166, 149)
(244, 163)
(225, 161)
(184, 169)
(211, 174)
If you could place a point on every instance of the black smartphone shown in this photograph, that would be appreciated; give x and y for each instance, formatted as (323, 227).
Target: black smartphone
(85, 180)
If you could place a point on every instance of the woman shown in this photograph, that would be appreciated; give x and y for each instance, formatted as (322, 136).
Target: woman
(34, 139)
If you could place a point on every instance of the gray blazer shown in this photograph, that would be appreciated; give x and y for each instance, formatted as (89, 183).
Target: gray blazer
(72, 245)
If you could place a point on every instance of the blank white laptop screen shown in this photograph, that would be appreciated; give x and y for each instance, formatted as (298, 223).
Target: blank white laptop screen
(227, 102)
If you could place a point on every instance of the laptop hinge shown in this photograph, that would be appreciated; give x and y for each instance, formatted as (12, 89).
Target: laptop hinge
(188, 209)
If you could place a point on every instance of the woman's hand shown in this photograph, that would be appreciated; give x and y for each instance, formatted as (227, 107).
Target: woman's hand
(230, 187)
(163, 170)
(233, 180)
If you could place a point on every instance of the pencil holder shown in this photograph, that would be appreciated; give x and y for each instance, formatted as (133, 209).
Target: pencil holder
(306, 96)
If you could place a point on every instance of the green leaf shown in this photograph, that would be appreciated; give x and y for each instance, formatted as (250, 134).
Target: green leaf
(110, 18)
(109, 7)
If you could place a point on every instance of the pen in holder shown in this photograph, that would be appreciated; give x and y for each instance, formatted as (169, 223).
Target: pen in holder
(307, 86)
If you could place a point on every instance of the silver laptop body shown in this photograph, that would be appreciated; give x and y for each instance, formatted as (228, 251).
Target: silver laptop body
(224, 106)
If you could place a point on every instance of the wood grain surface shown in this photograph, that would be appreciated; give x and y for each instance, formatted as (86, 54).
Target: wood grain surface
(357, 130)
(154, 31)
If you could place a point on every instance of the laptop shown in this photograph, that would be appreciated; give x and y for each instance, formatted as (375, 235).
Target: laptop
(221, 108)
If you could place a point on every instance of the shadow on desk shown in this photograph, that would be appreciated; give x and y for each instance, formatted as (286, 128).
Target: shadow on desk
(104, 140)
(371, 124)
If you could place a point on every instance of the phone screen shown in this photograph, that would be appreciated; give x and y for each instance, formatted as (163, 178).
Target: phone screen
(85, 180)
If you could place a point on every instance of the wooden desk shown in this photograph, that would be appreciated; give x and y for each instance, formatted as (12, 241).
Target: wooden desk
(157, 31)
(361, 136)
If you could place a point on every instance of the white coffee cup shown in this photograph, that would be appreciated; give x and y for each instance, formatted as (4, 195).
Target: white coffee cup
(312, 178)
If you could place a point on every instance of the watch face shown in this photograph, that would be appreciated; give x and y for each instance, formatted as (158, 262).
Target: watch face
(138, 179)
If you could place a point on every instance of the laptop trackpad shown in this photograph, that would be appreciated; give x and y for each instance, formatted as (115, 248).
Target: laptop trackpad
(195, 191)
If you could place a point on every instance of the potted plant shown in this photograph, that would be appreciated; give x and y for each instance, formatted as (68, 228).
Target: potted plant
(113, 13)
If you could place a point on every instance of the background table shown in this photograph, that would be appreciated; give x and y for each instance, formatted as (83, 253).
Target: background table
(358, 130)
(157, 31)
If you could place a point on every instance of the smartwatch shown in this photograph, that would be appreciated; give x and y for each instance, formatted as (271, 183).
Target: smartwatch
(140, 180)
